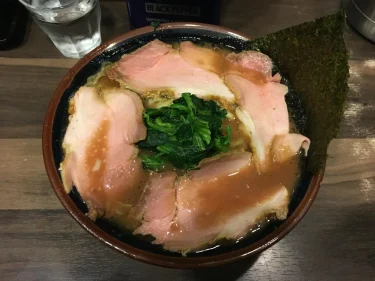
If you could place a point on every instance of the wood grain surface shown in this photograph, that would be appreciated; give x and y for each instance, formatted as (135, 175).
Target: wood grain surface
(40, 241)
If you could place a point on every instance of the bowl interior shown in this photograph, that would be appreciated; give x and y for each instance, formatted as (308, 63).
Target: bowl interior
(113, 53)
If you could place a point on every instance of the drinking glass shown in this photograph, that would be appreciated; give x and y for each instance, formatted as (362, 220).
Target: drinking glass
(72, 25)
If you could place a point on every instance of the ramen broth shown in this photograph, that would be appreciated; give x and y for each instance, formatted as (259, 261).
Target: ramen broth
(247, 186)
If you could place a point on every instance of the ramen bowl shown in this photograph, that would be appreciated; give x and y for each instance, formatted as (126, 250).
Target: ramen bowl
(56, 122)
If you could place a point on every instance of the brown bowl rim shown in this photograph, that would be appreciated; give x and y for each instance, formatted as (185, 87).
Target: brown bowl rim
(135, 253)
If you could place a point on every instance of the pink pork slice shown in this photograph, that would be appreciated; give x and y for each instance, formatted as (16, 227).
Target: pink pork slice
(224, 199)
(157, 207)
(157, 67)
(263, 109)
(100, 155)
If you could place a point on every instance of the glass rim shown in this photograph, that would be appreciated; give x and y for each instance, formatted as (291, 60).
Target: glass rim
(30, 7)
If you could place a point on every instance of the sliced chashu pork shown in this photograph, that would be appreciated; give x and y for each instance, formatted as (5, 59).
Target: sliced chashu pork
(100, 155)
(157, 207)
(262, 109)
(224, 199)
(157, 67)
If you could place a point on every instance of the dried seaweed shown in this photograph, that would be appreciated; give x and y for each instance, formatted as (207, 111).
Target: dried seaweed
(313, 58)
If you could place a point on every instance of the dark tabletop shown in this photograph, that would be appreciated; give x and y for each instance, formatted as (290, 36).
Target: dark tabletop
(40, 241)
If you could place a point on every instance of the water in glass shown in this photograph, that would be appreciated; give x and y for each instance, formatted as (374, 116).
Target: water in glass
(72, 25)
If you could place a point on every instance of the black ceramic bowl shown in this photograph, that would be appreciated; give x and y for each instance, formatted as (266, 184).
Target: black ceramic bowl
(56, 122)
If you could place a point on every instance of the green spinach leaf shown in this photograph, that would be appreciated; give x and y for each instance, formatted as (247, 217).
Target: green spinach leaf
(184, 133)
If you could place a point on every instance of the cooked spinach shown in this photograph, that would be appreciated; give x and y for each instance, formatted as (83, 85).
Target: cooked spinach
(184, 133)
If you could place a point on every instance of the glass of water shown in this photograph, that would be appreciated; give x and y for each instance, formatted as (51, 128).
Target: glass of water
(72, 25)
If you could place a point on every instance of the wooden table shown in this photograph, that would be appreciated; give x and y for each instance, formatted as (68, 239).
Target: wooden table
(40, 241)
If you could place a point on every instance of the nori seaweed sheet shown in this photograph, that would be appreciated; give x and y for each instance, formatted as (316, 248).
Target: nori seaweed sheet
(313, 58)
